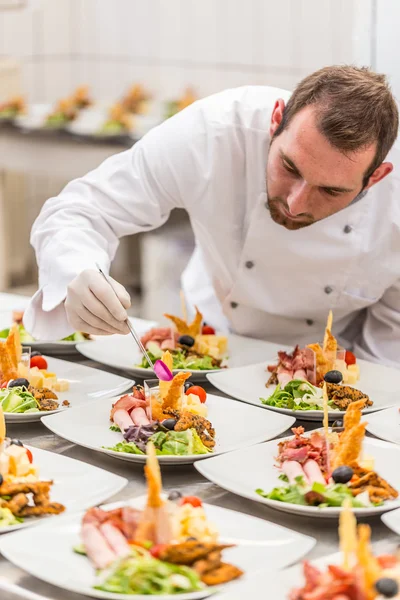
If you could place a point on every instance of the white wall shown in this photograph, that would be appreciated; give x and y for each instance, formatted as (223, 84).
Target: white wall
(168, 44)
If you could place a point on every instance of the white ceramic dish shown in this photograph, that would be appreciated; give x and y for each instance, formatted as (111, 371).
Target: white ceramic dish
(77, 485)
(126, 356)
(248, 385)
(385, 424)
(252, 468)
(34, 118)
(236, 426)
(85, 384)
(258, 543)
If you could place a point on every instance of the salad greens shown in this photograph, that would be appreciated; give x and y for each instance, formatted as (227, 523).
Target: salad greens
(7, 518)
(18, 400)
(182, 360)
(148, 576)
(297, 395)
(173, 443)
(26, 337)
(333, 494)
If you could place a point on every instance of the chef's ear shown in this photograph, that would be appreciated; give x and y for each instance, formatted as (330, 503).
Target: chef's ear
(379, 174)
(277, 115)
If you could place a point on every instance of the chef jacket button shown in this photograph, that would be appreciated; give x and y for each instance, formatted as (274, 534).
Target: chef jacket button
(249, 264)
(310, 322)
(328, 289)
(347, 229)
(234, 305)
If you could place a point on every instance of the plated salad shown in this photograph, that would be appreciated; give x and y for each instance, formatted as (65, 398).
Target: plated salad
(67, 109)
(171, 417)
(193, 346)
(12, 108)
(360, 575)
(26, 337)
(327, 468)
(119, 121)
(170, 547)
(26, 388)
(22, 493)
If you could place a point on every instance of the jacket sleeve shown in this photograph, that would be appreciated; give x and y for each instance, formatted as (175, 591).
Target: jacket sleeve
(131, 192)
(379, 339)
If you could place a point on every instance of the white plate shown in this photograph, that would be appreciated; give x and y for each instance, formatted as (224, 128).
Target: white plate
(85, 384)
(385, 425)
(276, 585)
(236, 426)
(248, 385)
(392, 520)
(77, 485)
(125, 354)
(252, 468)
(259, 543)
(35, 116)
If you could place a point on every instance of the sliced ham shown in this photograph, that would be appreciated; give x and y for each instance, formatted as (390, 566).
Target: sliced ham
(300, 374)
(293, 469)
(297, 454)
(94, 515)
(284, 377)
(168, 344)
(128, 403)
(139, 417)
(115, 539)
(313, 472)
(122, 419)
(96, 546)
(159, 335)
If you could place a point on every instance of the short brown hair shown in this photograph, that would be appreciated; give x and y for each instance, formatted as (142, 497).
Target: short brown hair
(355, 109)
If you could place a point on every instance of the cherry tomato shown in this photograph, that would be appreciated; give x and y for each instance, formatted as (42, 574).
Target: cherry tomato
(29, 453)
(198, 391)
(350, 359)
(387, 561)
(207, 330)
(156, 550)
(193, 500)
(39, 362)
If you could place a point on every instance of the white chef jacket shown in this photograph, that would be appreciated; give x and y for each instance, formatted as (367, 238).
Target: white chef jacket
(247, 273)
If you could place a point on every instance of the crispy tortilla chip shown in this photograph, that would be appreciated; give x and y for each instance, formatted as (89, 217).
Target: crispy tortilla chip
(13, 345)
(153, 477)
(7, 369)
(174, 396)
(369, 565)
(181, 326)
(165, 385)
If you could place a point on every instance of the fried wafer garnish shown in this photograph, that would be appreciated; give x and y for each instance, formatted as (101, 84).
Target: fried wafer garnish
(183, 328)
(173, 399)
(153, 477)
(7, 369)
(370, 568)
(222, 574)
(187, 553)
(13, 346)
(349, 446)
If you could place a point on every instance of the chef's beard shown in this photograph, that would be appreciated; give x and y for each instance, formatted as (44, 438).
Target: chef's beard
(298, 222)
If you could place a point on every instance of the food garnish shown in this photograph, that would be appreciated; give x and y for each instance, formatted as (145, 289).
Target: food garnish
(168, 548)
(326, 468)
(172, 419)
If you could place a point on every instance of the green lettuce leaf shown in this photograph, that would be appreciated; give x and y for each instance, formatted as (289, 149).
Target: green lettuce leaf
(128, 447)
(179, 443)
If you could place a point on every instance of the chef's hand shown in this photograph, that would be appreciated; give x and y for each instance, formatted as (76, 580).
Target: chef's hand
(92, 306)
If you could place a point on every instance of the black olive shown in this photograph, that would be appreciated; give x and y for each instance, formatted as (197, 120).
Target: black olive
(337, 425)
(387, 586)
(188, 385)
(342, 474)
(1, 478)
(333, 377)
(169, 424)
(186, 340)
(36, 353)
(16, 443)
(174, 495)
(20, 382)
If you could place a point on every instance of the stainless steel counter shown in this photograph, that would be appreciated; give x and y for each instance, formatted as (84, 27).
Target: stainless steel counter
(184, 478)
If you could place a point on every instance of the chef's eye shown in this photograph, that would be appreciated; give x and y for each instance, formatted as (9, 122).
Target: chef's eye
(289, 169)
(333, 193)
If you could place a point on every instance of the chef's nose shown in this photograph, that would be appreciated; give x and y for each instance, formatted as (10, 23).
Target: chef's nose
(299, 197)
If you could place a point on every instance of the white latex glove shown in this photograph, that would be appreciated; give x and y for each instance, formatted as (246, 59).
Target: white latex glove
(92, 306)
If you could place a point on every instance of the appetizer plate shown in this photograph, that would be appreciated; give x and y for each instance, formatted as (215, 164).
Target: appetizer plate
(125, 354)
(232, 472)
(392, 520)
(77, 485)
(258, 543)
(248, 385)
(85, 384)
(236, 426)
(385, 424)
(277, 585)
(34, 117)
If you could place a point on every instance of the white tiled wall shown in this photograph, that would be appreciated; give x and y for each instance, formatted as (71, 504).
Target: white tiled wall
(168, 44)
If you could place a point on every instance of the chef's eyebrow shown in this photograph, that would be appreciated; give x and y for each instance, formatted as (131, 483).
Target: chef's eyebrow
(330, 188)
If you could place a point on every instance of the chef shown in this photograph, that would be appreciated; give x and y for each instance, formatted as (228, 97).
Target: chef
(294, 206)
